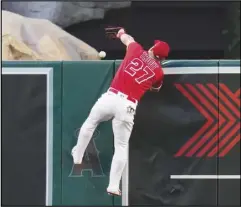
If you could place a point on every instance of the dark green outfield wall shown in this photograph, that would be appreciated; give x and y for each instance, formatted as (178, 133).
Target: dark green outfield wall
(192, 127)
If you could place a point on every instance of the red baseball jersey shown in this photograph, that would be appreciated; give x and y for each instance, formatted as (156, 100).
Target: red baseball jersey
(137, 73)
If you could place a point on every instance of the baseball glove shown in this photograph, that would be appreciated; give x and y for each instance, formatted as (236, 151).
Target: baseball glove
(111, 32)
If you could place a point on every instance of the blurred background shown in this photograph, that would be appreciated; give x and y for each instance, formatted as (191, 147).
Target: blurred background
(194, 30)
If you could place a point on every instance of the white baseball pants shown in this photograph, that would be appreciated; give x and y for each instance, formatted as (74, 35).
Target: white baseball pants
(121, 110)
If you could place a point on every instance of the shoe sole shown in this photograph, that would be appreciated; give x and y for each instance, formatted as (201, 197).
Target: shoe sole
(113, 194)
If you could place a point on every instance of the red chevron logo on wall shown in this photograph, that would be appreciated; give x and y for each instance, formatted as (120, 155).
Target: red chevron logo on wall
(221, 108)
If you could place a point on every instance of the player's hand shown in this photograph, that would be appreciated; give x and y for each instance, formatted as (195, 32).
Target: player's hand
(154, 89)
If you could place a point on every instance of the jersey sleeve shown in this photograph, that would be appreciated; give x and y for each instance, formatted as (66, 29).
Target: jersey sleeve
(134, 46)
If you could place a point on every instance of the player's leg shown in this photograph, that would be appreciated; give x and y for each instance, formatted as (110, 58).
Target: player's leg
(122, 131)
(101, 111)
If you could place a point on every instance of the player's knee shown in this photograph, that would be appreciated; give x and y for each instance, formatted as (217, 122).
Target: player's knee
(88, 128)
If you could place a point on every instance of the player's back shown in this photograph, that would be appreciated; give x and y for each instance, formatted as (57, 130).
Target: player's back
(137, 72)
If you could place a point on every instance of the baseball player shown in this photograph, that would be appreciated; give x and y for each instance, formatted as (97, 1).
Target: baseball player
(139, 72)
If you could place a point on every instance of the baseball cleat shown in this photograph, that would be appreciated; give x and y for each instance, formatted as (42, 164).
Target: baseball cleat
(114, 193)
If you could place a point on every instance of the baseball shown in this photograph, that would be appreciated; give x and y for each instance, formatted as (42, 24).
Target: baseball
(102, 54)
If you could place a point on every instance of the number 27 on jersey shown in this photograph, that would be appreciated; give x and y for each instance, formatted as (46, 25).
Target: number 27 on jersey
(138, 72)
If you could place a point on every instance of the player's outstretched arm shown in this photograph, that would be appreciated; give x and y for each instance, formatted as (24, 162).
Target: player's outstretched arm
(125, 38)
